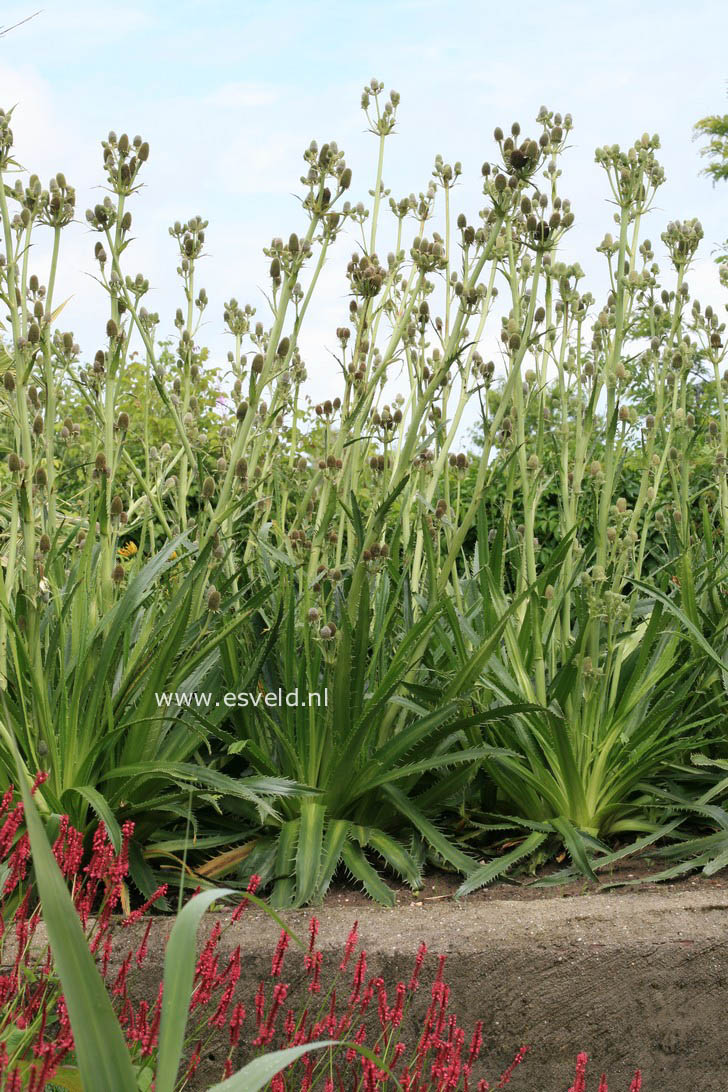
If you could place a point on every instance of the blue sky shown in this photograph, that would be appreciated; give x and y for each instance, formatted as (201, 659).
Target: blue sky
(229, 94)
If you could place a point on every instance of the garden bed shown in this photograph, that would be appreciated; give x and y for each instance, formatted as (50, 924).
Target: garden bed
(631, 977)
(633, 877)
(252, 637)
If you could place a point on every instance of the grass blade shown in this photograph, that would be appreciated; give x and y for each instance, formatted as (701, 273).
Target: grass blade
(258, 1073)
(179, 971)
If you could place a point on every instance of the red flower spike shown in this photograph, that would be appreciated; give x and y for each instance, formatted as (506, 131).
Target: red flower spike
(419, 960)
(253, 885)
(138, 914)
(359, 976)
(19, 860)
(280, 992)
(351, 943)
(15, 1083)
(9, 829)
(106, 956)
(40, 779)
(507, 1073)
(118, 989)
(6, 802)
(396, 1013)
(143, 949)
(314, 985)
(259, 1004)
(220, 1018)
(194, 1059)
(277, 962)
(579, 1084)
(236, 1022)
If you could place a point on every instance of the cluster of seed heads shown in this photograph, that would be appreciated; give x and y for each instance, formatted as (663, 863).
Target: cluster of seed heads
(123, 159)
(429, 255)
(328, 408)
(378, 463)
(299, 540)
(424, 460)
(458, 461)
(366, 275)
(375, 552)
(386, 421)
(682, 239)
(382, 120)
(634, 174)
(323, 574)
(331, 462)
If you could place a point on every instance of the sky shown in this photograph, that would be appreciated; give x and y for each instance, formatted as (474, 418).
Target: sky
(229, 94)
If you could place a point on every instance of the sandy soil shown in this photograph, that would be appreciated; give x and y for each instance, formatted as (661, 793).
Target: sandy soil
(634, 977)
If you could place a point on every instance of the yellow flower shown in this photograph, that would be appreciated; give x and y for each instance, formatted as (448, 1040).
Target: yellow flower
(128, 550)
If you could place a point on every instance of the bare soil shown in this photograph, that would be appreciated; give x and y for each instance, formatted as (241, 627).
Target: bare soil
(633, 976)
(630, 877)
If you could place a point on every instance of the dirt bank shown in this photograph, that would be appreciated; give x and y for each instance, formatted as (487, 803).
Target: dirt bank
(634, 978)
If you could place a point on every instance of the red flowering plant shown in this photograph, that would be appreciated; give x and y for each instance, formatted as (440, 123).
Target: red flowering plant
(356, 1008)
(349, 1034)
(35, 1031)
(580, 1084)
(36, 1038)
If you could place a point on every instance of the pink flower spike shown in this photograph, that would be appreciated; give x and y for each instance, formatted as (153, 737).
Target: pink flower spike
(138, 914)
(508, 1073)
(351, 943)
(143, 949)
(236, 1022)
(40, 779)
(419, 960)
(253, 885)
(579, 1084)
(277, 963)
